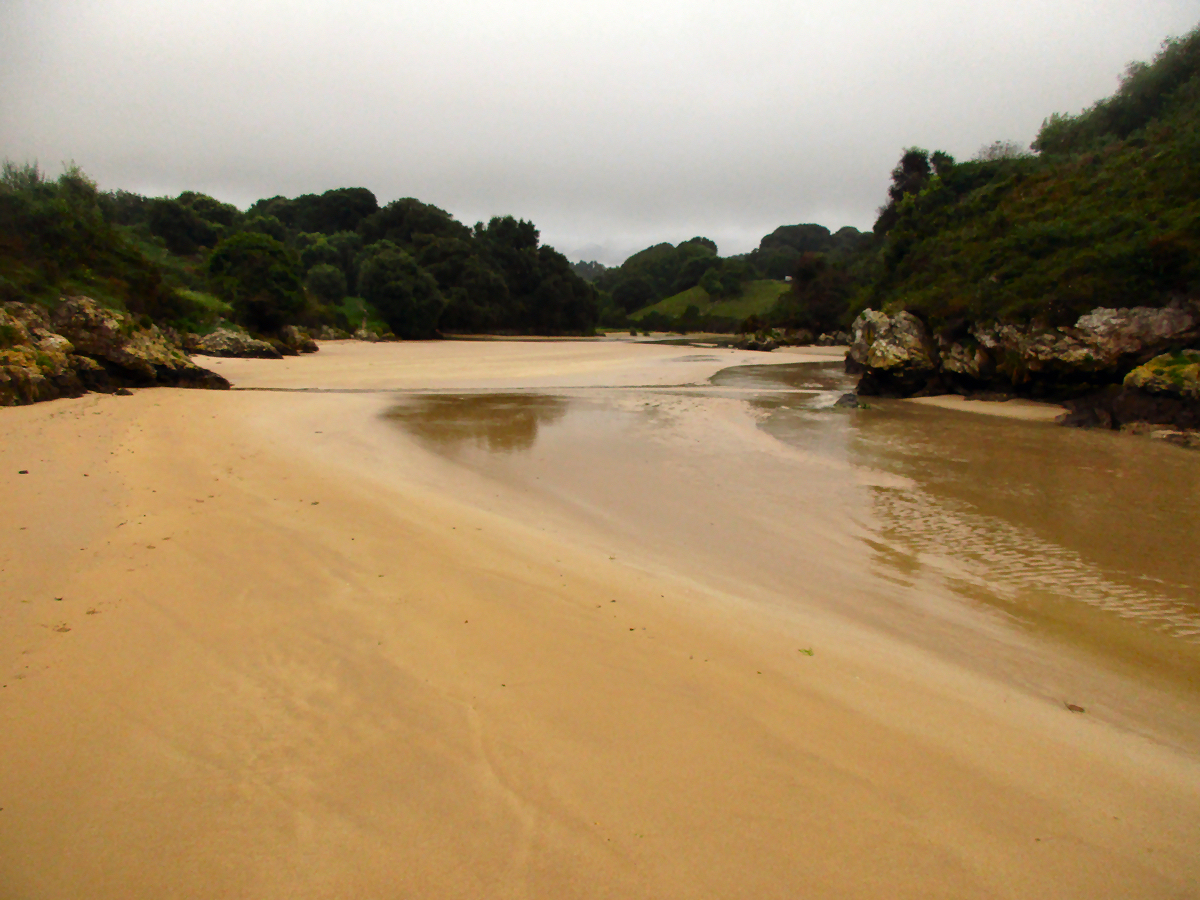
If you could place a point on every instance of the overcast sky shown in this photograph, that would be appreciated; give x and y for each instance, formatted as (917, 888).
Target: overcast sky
(612, 124)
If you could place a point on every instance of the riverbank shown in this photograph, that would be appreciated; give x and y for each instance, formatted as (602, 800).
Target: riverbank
(287, 662)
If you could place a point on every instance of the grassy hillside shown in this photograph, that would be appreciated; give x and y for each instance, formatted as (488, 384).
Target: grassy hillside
(1108, 214)
(757, 298)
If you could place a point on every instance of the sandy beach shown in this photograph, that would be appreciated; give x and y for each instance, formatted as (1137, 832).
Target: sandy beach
(269, 643)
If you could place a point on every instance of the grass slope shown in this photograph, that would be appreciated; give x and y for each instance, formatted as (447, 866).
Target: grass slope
(757, 298)
(1111, 218)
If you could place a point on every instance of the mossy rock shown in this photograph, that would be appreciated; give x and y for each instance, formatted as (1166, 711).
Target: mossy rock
(1176, 374)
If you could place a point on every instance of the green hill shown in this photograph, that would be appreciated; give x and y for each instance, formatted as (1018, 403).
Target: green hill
(757, 298)
(1107, 213)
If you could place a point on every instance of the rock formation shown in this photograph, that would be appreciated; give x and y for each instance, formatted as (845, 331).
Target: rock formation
(894, 354)
(229, 342)
(298, 339)
(1112, 367)
(83, 347)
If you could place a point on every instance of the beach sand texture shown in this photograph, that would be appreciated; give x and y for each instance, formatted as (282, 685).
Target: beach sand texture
(263, 644)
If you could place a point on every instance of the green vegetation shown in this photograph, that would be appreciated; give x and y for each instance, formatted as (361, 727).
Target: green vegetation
(757, 298)
(1107, 214)
(1104, 212)
(657, 286)
(55, 240)
(193, 262)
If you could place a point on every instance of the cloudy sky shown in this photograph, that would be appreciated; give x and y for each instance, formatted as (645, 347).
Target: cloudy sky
(611, 124)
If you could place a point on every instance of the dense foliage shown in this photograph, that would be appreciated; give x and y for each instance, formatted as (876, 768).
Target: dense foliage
(336, 258)
(1107, 214)
(55, 239)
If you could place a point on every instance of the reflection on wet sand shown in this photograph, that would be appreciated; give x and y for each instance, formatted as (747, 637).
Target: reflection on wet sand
(1085, 536)
(498, 423)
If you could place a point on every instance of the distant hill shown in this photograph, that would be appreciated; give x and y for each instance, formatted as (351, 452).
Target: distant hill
(757, 299)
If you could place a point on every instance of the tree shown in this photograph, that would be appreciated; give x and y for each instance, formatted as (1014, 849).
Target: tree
(405, 294)
(268, 225)
(259, 276)
(910, 177)
(327, 283)
(180, 227)
(401, 220)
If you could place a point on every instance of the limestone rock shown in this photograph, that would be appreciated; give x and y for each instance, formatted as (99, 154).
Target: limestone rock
(329, 333)
(895, 354)
(1104, 342)
(968, 360)
(892, 343)
(1171, 374)
(131, 354)
(35, 363)
(281, 348)
(1188, 439)
(835, 339)
(298, 339)
(227, 342)
(762, 342)
(364, 334)
(84, 346)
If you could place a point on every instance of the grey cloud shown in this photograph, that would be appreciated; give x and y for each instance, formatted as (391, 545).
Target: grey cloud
(611, 125)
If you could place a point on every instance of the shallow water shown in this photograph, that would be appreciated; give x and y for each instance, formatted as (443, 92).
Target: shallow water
(899, 513)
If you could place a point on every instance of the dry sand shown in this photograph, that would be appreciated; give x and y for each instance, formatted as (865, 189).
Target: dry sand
(249, 653)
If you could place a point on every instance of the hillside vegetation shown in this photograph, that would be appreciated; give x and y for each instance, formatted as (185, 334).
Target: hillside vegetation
(1106, 214)
(336, 259)
(1105, 211)
(696, 305)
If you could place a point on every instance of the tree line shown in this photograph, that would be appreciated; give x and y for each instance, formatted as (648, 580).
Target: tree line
(318, 259)
(1102, 210)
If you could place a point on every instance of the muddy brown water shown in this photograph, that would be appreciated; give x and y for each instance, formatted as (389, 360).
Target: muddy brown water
(966, 533)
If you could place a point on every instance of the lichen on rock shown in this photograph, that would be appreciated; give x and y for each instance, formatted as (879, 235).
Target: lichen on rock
(1173, 374)
(83, 346)
(228, 342)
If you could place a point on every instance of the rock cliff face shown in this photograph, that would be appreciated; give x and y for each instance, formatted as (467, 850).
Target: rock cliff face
(1115, 366)
(83, 347)
(894, 354)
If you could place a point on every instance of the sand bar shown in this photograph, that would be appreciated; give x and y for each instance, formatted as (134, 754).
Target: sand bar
(249, 652)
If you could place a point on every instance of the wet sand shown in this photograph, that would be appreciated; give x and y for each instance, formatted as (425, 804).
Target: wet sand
(1026, 410)
(474, 640)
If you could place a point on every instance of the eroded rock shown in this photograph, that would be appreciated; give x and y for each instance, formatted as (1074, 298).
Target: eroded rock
(83, 347)
(298, 339)
(1101, 347)
(895, 353)
(228, 342)
(1169, 374)
(131, 354)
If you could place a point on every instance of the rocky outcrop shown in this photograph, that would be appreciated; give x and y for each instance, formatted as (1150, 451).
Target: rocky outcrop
(1174, 375)
(228, 342)
(1162, 392)
(132, 356)
(84, 346)
(763, 341)
(35, 363)
(895, 354)
(1099, 349)
(298, 339)
(835, 339)
(329, 333)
